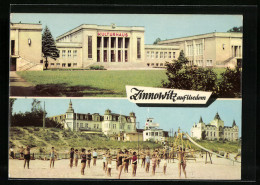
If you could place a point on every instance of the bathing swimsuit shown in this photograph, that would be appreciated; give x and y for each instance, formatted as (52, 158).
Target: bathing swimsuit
(119, 162)
(89, 157)
(52, 155)
(83, 160)
(72, 154)
(94, 154)
(134, 160)
(27, 156)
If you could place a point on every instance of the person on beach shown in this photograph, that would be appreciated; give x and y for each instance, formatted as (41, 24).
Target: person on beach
(108, 156)
(126, 161)
(83, 160)
(104, 162)
(134, 164)
(27, 157)
(95, 155)
(164, 162)
(119, 157)
(88, 158)
(143, 159)
(71, 153)
(147, 160)
(53, 153)
(12, 153)
(154, 161)
(21, 152)
(76, 157)
(182, 161)
(109, 166)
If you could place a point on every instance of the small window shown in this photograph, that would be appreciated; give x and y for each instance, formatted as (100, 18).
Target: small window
(57, 64)
(148, 54)
(69, 53)
(173, 54)
(89, 46)
(157, 55)
(63, 53)
(138, 47)
(161, 54)
(152, 54)
(165, 54)
(63, 64)
(75, 53)
(69, 64)
(170, 54)
(52, 64)
(74, 64)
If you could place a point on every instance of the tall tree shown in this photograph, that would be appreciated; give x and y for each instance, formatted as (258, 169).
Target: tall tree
(181, 76)
(156, 41)
(230, 85)
(49, 48)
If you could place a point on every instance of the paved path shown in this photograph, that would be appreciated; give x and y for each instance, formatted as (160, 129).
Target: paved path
(20, 87)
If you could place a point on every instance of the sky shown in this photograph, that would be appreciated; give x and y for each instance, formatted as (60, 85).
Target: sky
(167, 117)
(164, 26)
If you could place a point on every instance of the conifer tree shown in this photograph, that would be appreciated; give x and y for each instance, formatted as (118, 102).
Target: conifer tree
(49, 48)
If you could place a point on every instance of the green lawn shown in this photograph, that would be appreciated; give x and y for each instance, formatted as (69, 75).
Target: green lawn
(93, 83)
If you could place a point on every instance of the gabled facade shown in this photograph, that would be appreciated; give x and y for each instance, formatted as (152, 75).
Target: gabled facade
(215, 130)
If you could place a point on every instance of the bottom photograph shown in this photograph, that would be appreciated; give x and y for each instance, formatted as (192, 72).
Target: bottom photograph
(116, 139)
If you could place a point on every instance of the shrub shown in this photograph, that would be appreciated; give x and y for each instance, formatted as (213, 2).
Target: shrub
(97, 67)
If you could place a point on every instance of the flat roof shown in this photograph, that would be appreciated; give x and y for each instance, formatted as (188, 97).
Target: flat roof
(101, 27)
(205, 35)
(26, 26)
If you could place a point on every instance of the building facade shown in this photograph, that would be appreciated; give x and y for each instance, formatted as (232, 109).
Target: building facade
(152, 132)
(215, 130)
(110, 46)
(211, 50)
(109, 123)
(25, 47)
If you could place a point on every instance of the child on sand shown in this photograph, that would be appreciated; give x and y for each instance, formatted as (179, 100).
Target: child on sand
(109, 166)
(164, 162)
(52, 156)
(104, 162)
(147, 160)
(95, 155)
(126, 161)
(76, 157)
(71, 157)
(182, 161)
(154, 160)
(21, 152)
(88, 158)
(83, 161)
(120, 165)
(27, 156)
(134, 164)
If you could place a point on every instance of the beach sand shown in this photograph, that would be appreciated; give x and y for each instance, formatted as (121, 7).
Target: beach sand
(221, 169)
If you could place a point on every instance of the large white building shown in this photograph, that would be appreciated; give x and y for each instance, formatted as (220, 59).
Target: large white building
(109, 123)
(152, 132)
(215, 130)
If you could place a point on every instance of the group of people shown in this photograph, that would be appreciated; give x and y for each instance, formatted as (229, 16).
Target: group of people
(123, 159)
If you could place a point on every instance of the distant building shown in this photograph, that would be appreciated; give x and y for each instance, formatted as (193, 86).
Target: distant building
(25, 47)
(153, 133)
(215, 130)
(109, 123)
(211, 50)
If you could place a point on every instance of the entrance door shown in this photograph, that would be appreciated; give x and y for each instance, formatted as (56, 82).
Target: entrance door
(13, 64)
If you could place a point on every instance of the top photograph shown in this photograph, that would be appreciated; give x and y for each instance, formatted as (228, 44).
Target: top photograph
(97, 55)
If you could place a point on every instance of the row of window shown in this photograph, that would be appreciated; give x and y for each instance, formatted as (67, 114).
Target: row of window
(81, 125)
(190, 49)
(209, 63)
(69, 52)
(156, 64)
(150, 54)
(153, 133)
(64, 64)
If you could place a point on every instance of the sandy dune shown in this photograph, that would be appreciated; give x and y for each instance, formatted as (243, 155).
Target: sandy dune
(220, 169)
